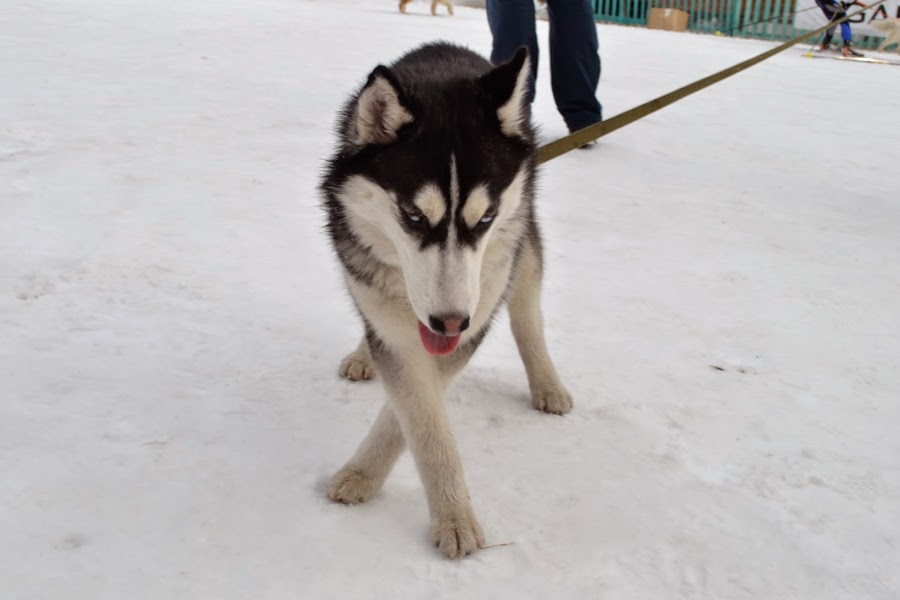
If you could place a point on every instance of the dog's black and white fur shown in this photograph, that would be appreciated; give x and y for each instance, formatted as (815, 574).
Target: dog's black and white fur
(430, 208)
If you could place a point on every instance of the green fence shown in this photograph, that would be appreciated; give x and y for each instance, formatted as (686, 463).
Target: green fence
(764, 19)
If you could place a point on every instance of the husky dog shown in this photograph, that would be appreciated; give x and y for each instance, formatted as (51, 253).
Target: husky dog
(434, 4)
(429, 201)
(891, 30)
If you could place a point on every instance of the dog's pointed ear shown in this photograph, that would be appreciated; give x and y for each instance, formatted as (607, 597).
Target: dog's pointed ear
(381, 110)
(506, 90)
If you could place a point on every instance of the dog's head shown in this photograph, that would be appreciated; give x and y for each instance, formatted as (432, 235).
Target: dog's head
(431, 175)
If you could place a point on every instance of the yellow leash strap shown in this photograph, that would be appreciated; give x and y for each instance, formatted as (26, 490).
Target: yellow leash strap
(597, 130)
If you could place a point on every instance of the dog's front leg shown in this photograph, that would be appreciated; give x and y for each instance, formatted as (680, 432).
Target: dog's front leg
(547, 391)
(417, 396)
(364, 474)
(358, 364)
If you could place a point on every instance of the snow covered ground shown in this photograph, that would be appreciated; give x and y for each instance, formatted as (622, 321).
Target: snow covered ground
(721, 299)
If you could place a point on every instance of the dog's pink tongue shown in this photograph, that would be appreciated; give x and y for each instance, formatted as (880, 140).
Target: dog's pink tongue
(437, 345)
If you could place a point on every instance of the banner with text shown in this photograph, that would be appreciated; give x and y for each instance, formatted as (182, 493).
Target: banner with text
(813, 19)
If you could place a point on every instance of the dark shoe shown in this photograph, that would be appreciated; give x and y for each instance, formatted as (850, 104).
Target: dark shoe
(849, 51)
(587, 144)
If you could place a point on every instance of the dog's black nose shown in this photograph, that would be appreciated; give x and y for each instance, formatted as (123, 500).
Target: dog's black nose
(449, 324)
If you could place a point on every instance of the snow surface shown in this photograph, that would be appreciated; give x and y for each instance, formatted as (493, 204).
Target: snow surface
(721, 299)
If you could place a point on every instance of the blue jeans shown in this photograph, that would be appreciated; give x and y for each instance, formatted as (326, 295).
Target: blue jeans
(574, 57)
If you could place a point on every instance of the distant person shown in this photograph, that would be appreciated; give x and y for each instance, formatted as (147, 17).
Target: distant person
(574, 52)
(834, 10)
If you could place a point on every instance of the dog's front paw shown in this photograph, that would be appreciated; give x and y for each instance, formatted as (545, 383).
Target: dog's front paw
(357, 366)
(351, 487)
(552, 400)
(457, 535)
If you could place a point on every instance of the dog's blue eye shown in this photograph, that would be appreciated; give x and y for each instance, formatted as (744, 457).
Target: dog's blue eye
(413, 215)
(486, 219)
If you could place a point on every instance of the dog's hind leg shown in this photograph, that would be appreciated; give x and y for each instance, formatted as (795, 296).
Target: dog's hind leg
(364, 474)
(358, 364)
(547, 391)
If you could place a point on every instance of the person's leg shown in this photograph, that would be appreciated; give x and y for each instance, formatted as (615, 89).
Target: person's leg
(846, 33)
(827, 10)
(574, 62)
(512, 26)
